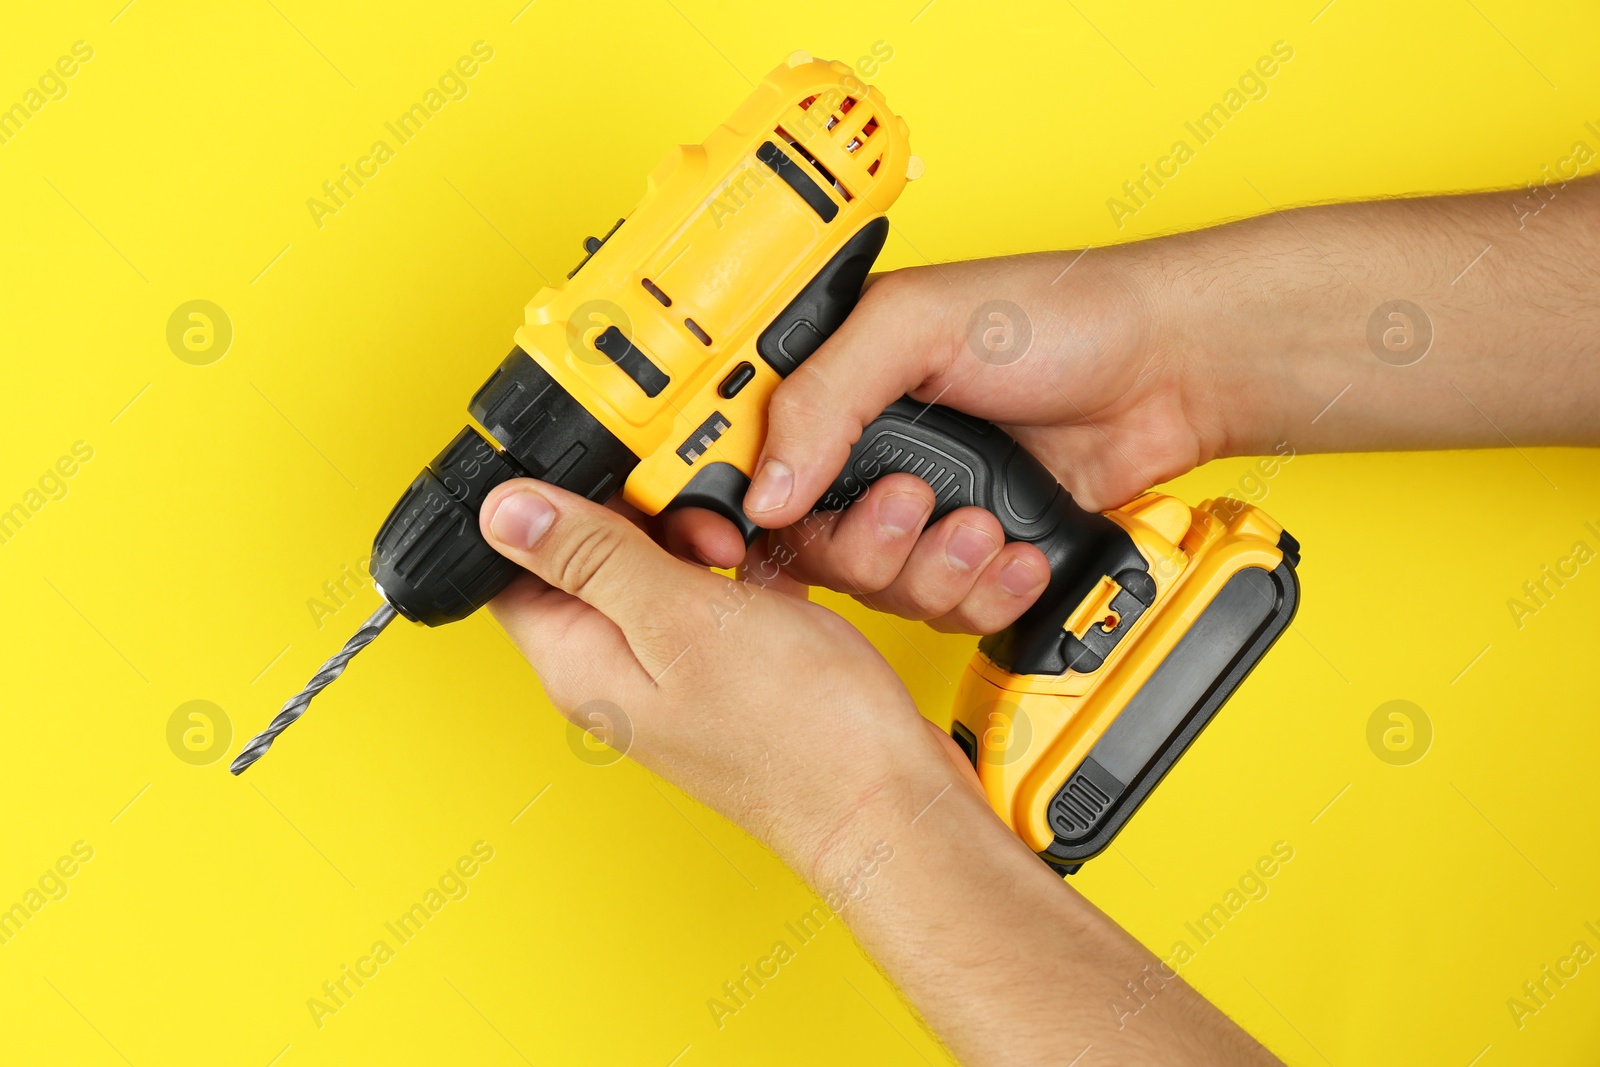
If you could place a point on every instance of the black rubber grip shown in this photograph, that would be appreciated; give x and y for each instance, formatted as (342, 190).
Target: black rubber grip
(822, 305)
(968, 461)
(548, 433)
(429, 557)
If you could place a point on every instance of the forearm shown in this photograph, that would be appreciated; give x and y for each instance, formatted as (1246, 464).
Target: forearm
(1270, 320)
(1005, 962)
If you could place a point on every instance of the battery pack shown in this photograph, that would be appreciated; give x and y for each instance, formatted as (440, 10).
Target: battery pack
(1067, 759)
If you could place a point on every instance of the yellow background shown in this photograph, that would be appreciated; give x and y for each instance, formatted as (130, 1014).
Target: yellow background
(179, 564)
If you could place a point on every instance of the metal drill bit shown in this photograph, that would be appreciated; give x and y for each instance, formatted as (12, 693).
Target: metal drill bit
(298, 703)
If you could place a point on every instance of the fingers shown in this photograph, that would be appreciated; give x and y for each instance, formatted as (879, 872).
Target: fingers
(596, 556)
(763, 568)
(943, 567)
(1008, 586)
(888, 346)
(958, 574)
(864, 547)
(702, 536)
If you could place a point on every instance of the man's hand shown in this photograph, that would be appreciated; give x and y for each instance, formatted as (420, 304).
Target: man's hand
(779, 714)
(1141, 362)
(1066, 357)
(1123, 367)
(770, 709)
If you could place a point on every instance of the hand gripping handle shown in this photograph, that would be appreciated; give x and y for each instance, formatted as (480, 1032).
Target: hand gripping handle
(968, 461)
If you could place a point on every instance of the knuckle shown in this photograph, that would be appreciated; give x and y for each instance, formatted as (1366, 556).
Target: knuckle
(589, 555)
(801, 400)
(818, 550)
(902, 482)
(890, 287)
(927, 600)
(790, 560)
(661, 635)
(972, 616)
(906, 295)
(862, 572)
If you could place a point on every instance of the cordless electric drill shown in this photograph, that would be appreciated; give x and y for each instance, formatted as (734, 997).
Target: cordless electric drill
(648, 373)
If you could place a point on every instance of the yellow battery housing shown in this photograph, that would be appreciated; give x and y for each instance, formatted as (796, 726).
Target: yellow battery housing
(1033, 731)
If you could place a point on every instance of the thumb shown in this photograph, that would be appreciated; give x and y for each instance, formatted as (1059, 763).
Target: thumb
(894, 341)
(592, 553)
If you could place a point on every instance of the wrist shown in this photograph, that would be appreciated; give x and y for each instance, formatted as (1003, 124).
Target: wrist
(904, 865)
(833, 852)
(1211, 342)
(1259, 331)
(825, 858)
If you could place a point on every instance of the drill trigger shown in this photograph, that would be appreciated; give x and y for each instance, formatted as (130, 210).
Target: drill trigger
(720, 487)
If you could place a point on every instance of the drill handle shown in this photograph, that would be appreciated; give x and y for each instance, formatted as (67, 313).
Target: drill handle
(967, 461)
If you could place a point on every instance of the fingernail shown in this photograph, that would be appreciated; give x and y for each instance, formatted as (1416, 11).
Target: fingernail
(900, 513)
(969, 547)
(770, 491)
(522, 518)
(1019, 578)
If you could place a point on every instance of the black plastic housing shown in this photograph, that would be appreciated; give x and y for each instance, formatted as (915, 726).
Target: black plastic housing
(968, 461)
(823, 304)
(547, 433)
(429, 557)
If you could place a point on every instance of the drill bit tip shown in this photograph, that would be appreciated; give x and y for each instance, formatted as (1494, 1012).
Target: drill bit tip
(298, 703)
